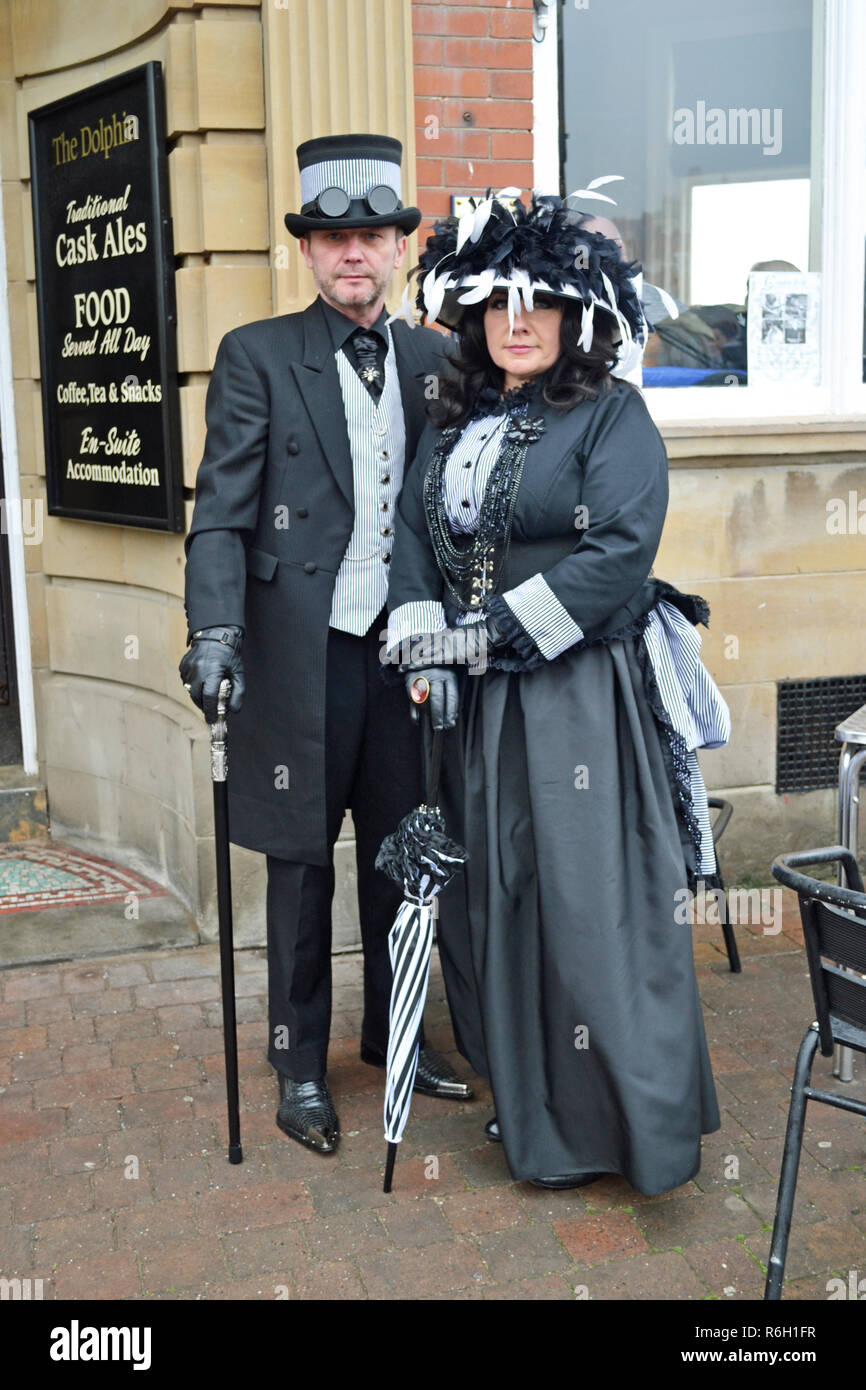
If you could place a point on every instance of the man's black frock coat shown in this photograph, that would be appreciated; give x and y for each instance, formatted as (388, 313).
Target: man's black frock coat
(273, 517)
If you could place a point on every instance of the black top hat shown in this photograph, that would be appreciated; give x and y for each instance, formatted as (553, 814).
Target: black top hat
(350, 181)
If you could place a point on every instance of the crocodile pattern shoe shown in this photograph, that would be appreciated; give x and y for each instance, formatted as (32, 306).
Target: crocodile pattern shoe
(307, 1114)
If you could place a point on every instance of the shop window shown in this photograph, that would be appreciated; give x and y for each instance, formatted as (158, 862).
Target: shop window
(706, 111)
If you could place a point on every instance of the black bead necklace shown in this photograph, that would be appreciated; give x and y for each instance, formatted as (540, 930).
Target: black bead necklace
(472, 567)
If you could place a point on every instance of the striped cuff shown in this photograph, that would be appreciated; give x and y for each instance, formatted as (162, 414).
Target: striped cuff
(537, 608)
(415, 619)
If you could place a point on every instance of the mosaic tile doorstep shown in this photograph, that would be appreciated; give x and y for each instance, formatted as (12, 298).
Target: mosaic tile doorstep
(39, 875)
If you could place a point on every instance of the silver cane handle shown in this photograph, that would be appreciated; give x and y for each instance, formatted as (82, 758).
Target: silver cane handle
(225, 691)
(219, 761)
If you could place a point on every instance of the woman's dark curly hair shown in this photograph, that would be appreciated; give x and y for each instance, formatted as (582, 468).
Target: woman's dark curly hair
(574, 377)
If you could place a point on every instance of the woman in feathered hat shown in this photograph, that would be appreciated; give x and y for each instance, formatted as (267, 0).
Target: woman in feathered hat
(529, 522)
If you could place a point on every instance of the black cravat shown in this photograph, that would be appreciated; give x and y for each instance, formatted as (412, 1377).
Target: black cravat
(369, 360)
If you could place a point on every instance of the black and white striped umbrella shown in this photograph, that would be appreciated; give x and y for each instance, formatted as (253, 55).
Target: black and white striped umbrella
(421, 857)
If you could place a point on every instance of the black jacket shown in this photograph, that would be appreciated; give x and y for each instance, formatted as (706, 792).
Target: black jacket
(605, 456)
(273, 516)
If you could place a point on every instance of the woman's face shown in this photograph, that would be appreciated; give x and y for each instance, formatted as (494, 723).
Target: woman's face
(534, 344)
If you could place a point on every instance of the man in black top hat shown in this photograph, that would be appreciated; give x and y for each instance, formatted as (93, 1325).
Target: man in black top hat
(311, 420)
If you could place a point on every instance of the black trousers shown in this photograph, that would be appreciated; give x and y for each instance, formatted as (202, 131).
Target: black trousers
(373, 763)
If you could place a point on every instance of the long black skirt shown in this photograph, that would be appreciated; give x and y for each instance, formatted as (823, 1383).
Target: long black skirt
(568, 967)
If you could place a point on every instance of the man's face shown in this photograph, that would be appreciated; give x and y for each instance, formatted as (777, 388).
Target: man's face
(608, 229)
(353, 267)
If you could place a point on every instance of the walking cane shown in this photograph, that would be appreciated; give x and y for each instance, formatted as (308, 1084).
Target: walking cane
(219, 773)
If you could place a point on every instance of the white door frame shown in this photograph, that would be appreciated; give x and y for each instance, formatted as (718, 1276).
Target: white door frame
(12, 523)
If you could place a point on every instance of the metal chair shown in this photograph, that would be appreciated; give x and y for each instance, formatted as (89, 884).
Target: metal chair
(725, 810)
(851, 733)
(834, 928)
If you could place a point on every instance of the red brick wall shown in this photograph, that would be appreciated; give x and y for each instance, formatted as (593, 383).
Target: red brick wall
(473, 100)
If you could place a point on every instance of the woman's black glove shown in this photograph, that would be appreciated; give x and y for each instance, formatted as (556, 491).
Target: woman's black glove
(443, 694)
(215, 654)
(496, 635)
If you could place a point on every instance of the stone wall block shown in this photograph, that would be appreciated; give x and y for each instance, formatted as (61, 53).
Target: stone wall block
(184, 175)
(786, 627)
(192, 428)
(750, 756)
(234, 202)
(229, 91)
(36, 584)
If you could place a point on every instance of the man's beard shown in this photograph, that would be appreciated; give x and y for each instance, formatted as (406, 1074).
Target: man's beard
(374, 289)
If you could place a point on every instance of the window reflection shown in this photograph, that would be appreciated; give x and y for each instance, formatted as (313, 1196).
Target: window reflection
(706, 112)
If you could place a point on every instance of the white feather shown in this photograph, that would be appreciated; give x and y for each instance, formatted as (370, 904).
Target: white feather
(520, 279)
(481, 218)
(427, 283)
(586, 330)
(513, 306)
(610, 294)
(589, 192)
(405, 311)
(464, 227)
(434, 294)
(479, 287)
(585, 193)
(625, 330)
(605, 178)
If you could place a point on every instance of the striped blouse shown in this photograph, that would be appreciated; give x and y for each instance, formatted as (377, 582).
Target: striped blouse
(533, 602)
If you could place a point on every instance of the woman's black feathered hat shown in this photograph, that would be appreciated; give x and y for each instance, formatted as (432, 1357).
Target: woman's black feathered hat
(505, 245)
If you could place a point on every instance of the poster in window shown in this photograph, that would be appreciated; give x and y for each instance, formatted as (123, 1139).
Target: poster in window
(783, 329)
(105, 298)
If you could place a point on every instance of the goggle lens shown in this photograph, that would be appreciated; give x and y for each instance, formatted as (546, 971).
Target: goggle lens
(380, 200)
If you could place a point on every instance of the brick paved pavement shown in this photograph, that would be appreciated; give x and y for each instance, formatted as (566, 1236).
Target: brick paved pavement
(114, 1182)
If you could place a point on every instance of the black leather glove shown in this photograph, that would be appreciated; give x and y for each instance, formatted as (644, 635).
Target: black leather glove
(444, 697)
(215, 654)
(495, 635)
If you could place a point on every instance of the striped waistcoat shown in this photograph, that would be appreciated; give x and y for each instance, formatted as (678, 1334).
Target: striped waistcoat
(377, 441)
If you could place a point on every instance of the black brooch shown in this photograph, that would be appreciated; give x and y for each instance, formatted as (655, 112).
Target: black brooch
(525, 431)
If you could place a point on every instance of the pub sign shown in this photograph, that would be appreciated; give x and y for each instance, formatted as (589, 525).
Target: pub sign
(105, 296)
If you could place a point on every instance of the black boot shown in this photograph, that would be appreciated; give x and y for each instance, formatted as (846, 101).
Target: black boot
(434, 1077)
(307, 1114)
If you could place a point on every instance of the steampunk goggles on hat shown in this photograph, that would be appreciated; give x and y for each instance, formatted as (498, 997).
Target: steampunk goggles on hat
(335, 202)
(350, 181)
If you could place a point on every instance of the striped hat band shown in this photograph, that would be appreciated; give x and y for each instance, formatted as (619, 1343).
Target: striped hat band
(354, 176)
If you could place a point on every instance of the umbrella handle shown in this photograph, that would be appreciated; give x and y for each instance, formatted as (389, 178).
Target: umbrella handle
(434, 767)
